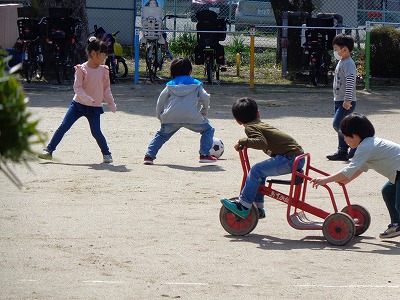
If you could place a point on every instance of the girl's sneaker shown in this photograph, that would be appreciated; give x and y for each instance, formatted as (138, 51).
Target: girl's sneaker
(46, 154)
(107, 158)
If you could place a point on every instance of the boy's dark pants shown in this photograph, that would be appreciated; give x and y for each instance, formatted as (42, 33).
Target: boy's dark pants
(391, 195)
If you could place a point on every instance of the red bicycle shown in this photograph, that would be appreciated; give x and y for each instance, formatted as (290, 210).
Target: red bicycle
(338, 227)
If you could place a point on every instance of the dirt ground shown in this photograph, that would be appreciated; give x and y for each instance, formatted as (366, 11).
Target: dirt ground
(81, 229)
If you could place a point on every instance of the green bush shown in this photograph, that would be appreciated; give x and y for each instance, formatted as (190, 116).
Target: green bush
(17, 132)
(184, 45)
(385, 58)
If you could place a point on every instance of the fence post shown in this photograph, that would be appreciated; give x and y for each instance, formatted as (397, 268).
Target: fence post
(367, 54)
(136, 77)
(252, 34)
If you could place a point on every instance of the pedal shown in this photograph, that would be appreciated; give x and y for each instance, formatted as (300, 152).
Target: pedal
(223, 69)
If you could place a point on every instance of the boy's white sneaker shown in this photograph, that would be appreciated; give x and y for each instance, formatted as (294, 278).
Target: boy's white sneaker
(391, 232)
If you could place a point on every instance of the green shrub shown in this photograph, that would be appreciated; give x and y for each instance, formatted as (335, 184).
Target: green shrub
(238, 45)
(184, 45)
(385, 58)
(17, 132)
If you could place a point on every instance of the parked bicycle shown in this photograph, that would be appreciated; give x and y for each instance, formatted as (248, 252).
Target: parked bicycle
(156, 45)
(317, 43)
(63, 32)
(115, 61)
(32, 62)
(208, 50)
(121, 68)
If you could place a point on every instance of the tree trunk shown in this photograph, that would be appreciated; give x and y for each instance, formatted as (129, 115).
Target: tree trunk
(78, 8)
(295, 50)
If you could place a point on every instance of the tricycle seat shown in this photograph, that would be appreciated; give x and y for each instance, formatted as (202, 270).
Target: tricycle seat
(298, 180)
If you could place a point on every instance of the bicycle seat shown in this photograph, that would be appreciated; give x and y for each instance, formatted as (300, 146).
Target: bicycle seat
(298, 180)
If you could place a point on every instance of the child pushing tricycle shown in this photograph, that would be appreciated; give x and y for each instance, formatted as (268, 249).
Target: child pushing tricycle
(239, 216)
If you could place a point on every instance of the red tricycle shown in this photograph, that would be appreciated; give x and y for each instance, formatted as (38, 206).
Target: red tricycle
(337, 227)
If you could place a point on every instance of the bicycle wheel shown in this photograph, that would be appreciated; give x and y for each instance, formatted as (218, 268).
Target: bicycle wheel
(209, 70)
(39, 70)
(150, 64)
(111, 70)
(217, 70)
(27, 66)
(160, 57)
(59, 72)
(69, 69)
(121, 69)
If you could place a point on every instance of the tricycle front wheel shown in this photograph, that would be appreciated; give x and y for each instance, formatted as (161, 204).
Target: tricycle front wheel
(236, 225)
(339, 229)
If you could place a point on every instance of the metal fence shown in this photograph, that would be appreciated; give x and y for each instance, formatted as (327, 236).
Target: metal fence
(119, 15)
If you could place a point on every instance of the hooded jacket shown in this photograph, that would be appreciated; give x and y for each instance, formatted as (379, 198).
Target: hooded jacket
(183, 101)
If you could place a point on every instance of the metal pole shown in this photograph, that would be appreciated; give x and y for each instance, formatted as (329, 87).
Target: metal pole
(175, 13)
(136, 80)
(135, 42)
(367, 53)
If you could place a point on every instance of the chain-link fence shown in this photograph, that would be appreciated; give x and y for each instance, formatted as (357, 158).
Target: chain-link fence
(120, 15)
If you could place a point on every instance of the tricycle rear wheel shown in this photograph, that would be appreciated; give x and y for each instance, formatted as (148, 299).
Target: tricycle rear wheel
(339, 229)
(236, 225)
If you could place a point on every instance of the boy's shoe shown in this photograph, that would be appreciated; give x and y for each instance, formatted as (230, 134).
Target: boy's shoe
(236, 208)
(390, 232)
(46, 154)
(261, 212)
(148, 160)
(107, 158)
(207, 159)
(338, 156)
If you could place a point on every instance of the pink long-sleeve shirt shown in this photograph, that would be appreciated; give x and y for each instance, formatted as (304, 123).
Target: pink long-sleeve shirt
(92, 86)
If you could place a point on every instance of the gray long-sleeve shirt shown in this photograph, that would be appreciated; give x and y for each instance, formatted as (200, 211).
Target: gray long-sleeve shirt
(344, 81)
(378, 154)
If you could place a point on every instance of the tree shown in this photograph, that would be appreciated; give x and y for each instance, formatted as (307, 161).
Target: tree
(78, 8)
(294, 50)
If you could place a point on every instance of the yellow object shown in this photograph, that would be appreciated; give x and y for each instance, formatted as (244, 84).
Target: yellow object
(118, 49)
(252, 61)
(237, 64)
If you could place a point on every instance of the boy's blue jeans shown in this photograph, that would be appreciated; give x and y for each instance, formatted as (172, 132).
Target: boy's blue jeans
(72, 115)
(391, 195)
(168, 130)
(340, 113)
(278, 165)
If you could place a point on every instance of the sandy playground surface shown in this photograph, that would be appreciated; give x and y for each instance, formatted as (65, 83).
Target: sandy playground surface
(80, 229)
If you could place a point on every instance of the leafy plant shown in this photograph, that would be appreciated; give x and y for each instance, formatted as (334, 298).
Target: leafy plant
(238, 45)
(17, 132)
(184, 45)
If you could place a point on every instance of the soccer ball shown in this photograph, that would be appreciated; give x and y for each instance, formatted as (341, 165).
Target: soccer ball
(217, 148)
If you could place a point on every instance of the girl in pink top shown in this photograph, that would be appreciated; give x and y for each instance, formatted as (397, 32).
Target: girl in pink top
(91, 86)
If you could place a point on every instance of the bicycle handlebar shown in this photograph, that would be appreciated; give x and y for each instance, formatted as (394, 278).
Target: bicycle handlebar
(173, 17)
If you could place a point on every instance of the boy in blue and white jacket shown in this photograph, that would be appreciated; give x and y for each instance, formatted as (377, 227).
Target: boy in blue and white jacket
(183, 103)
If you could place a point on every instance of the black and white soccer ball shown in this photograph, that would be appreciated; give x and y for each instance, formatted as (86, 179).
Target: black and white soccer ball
(217, 148)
